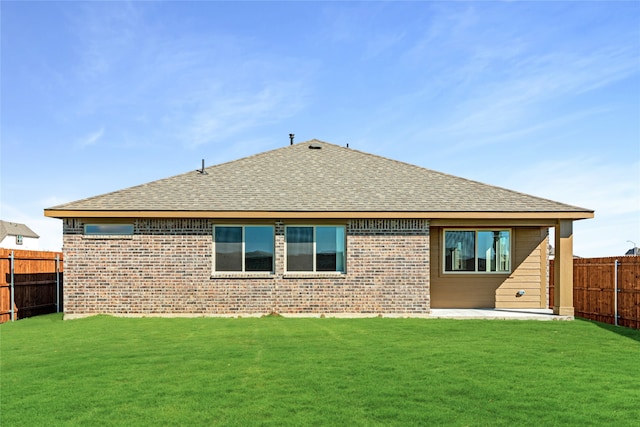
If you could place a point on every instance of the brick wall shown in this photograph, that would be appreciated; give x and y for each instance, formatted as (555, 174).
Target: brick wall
(165, 269)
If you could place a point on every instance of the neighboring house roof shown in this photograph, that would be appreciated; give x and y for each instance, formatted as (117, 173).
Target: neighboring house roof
(14, 229)
(314, 176)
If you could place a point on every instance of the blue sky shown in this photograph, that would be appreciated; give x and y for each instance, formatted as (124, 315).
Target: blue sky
(539, 97)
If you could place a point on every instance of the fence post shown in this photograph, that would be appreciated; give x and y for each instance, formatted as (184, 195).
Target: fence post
(12, 288)
(57, 283)
(615, 291)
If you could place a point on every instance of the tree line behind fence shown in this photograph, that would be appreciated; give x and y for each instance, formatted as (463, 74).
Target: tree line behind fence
(594, 289)
(37, 278)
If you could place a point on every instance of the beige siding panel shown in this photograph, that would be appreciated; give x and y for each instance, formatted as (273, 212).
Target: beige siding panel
(498, 290)
(521, 305)
(511, 285)
(464, 295)
(530, 295)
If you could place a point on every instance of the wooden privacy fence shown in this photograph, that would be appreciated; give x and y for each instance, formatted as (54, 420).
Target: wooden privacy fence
(595, 281)
(30, 283)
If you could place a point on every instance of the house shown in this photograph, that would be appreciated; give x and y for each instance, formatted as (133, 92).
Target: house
(14, 235)
(313, 229)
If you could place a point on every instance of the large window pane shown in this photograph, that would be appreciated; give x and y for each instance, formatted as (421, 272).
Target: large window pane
(330, 249)
(503, 251)
(486, 251)
(228, 242)
(258, 249)
(299, 248)
(460, 251)
(493, 251)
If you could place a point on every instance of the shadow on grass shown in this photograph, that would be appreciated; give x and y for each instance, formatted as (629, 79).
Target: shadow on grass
(624, 331)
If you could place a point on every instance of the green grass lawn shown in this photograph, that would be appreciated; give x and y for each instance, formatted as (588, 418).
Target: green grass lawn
(279, 371)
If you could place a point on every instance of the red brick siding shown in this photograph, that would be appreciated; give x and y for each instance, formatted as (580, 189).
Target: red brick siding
(165, 269)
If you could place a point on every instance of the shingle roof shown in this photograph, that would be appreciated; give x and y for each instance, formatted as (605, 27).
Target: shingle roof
(329, 178)
(15, 229)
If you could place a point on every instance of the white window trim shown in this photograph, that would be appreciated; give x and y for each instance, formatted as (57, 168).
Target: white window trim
(242, 273)
(476, 272)
(314, 273)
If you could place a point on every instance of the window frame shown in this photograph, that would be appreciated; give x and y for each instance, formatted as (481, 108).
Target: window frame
(476, 271)
(315, 254)
(243, 272)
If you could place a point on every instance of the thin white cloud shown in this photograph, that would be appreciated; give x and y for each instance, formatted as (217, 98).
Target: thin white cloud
(493, 79)
(226, 116)
(380, 43)
(185, 88)
(90, 139)
(106, 33)
(502, 106)
(525, 130)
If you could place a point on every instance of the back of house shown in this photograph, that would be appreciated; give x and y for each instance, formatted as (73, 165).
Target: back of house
(313, 229)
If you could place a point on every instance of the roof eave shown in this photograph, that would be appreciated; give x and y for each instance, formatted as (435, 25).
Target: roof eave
(62, 213)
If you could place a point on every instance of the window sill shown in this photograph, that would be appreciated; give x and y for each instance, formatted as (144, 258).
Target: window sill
(314, 275)
(107, 237)
(241, 275)
(476, 273)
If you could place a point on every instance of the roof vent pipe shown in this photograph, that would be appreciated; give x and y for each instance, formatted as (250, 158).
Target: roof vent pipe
(202, 171)
(291, 138)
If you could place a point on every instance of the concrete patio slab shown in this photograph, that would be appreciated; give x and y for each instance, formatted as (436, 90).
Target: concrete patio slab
(496, 313)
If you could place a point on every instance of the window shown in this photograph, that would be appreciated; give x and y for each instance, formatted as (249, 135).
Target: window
(19, 239)
(315, 248)
(477, 251)
(243, 248)
(108, 229)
